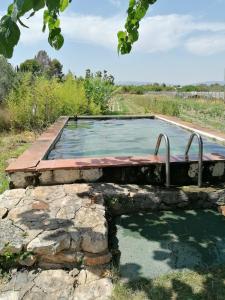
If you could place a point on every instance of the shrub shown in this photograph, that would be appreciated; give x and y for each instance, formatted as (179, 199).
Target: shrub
(73, 100)
(99, 92)
(37, 101)
(7, 78)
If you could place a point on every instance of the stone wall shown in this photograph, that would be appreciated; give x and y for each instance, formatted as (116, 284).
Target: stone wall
(66, 225)
(56, 226)
(59, 234)
(182, 173)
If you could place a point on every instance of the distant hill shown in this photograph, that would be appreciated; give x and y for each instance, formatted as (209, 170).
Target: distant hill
(135, 83)
(139, 83)
(210, 83)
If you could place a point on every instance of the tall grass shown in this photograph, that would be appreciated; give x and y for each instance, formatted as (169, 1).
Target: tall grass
(208, 113)
(37, 102)
(4, 119)
(175, 106)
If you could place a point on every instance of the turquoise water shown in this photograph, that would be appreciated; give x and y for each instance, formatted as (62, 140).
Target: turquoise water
(91, 138)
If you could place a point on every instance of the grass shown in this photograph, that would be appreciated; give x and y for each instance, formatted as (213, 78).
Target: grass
(12, 145)
(183, 285)
(207, 113)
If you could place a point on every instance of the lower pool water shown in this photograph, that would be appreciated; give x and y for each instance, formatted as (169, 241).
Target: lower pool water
(136, 137)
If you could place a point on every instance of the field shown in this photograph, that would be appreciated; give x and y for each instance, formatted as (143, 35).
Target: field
(206, 113)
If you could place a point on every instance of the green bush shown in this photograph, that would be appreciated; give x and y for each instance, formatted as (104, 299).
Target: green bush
(37, 101)
(8, 78)
(143, 89)
(99, 92)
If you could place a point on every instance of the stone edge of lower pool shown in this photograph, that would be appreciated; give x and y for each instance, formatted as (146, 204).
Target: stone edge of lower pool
(31, 168)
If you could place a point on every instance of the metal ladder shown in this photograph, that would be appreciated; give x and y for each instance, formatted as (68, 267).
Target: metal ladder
(167, 142)
(200, 154)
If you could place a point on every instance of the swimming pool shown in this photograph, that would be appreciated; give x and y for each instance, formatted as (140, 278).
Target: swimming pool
(118, 149)
(110, 138)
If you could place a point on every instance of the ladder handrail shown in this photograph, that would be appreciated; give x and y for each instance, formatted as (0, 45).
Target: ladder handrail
(200, 154)
(167, 142)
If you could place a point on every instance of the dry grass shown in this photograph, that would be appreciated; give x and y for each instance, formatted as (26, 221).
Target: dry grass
(185, 285)
(12, 145)
(207, 113)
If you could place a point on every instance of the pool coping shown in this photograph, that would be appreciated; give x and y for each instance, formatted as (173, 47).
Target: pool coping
(29, 160)
(210, 133)
(32, 160)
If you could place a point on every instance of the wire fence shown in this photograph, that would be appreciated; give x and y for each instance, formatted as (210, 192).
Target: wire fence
(187, 95)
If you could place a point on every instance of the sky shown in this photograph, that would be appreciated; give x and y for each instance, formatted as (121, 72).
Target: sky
(181, 41)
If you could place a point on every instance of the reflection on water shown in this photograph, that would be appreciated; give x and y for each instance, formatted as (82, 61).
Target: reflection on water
(90, 138)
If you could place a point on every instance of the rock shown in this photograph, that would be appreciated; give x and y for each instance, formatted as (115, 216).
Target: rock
(91, 175)
(97, 259)
(50, 242)
(11, 237)
(65, 176)
(81, 278)
(27, 218)
(51, 266)
(173, 197)
(95, 290)
(22, 179)
(77, 190)
(56, 284)
(48, 193)
(28, 261)
(10, 295)
(69, 207)
(11, 198)
(63, 258)
(95, 273)
(75, 239)
(74, 272)
(40, 205)
(36, 294)
(3, 212)
(93, 229)
(20, 283)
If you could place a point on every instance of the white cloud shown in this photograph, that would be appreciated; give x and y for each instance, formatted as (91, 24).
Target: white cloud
(92, 29)
(206, 45)
(160, 33)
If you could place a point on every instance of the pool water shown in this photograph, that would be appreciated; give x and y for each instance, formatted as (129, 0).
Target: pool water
(136, 137)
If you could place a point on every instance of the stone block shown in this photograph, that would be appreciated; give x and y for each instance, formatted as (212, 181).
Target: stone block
(50, 242)
(97, 259)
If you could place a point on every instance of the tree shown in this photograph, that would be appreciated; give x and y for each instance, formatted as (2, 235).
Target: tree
(10, 31)
(7, 77)
(42, 65)
(43, 58)
(55, 69)
(31, 65)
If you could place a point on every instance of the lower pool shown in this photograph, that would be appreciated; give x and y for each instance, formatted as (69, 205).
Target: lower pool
(101, 138)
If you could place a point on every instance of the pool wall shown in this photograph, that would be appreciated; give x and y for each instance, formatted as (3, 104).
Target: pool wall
(32, 168)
